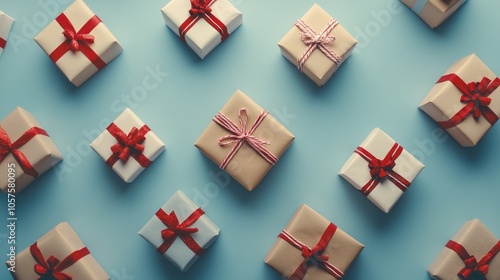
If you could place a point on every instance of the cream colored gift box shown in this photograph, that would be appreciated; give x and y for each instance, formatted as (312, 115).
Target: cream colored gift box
(318, 67)
(434, 12)
(6, 23)
(75, 65)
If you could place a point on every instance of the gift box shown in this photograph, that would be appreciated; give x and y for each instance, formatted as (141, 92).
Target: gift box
(59, 254)
(128, 146)
(381, 169)
(79, 43)
(180, 231)
(202, 24)
(434, 12)
(471, 254)
(27, 146)
(311, 247)
(244, 140)
(465, 101)
(6, 23)
(317, 44)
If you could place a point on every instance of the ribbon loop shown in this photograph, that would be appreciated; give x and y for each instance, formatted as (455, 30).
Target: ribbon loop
(129, 145)
(52, 268)
(200, 9)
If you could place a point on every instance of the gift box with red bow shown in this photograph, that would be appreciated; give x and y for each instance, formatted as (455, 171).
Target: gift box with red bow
(317, 44)
(434, 12)
(59, 254)
(465, 101)
(79, 43)
(381, 169)
(128, 145)
(180, 231)
(6, 23)
(202, 24)
(472, 254)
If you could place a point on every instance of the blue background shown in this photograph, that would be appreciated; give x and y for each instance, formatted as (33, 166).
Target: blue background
(397, 60)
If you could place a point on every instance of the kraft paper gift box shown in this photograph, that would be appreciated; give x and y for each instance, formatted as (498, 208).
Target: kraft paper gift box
(6, 23)
(381, 169)
(180, 214)
(202, 24)
(306, 228)
(434, 12)
(246, 159)
(338, 45)
(25, 144)
(48, 254)
(465, 101)
(79, 43)
(478, 247)
(128, 145)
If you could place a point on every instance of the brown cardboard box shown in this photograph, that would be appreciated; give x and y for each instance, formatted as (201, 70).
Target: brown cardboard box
(434, 12)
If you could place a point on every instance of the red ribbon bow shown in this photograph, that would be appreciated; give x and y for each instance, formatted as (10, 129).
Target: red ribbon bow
(78, 41)
(380, 169)
(473, 269)
(129, 145)
(314, 256)
(51, 269)
(201, 9)
(3, 43)
(182, 230)
(475, 96)
(6, 147)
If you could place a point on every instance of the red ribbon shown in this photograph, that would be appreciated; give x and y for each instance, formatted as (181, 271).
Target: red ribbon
(129, 145)
(182, 230)
(3, 42)
(473, 269)
(241, 135)
(315, 255)
(6, 147)
(474, 96)
(201, 9)
(78, 41)
(380, 169)
(51, 269)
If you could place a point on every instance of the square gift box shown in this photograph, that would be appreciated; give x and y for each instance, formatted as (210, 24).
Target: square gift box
(27, 146)
(79, 43)
(434, 12)
(381, 169)
(244, 140)
(180, 231)
(202, 24)
(6, 23)
(311, 247)
(471, 254)
(59, 254)
(465, 101)
(128, 145)
(317, 44)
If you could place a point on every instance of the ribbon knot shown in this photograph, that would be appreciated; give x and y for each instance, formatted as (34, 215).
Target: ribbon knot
(473, 270)
(77, 39)
(50, 272)
(51, 269)
(381, 168)
(315, 253)
(199, 7)
(129, 145)
(308, 39)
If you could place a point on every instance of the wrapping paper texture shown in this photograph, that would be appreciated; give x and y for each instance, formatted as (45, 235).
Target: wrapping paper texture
(434, 12)
(6, 23)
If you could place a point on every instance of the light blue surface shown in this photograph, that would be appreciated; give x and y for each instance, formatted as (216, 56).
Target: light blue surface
(396, 62)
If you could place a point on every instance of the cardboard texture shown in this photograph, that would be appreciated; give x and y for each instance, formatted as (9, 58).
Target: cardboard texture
(59, 242)
(434, 12)
(357, 173)
(40, 151)
(75, 65)
(318, 67)
(247, 167)
(6, 23)
(308, 226)
(443, 101)
(179, 254)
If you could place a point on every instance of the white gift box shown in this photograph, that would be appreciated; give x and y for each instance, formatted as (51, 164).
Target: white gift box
(130, 169)
(357, 172)
(6, 23)
(202, 38)
(179, 253)
(75, 65)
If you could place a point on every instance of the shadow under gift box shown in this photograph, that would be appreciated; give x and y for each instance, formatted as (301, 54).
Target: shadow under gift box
(434, 12)
(6, 23)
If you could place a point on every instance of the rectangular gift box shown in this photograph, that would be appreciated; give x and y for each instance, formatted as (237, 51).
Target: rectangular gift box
(202, 37)
(434, 12)
(128, 169)
(59, 243)
(39, 149)
(6, 23)
(179, 253)
(247, 166)
(92, 55)
(477, 241)
(444, 101)
(308, 227)
(386, 193)
(318, 67)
